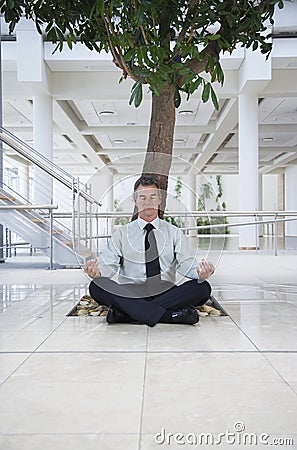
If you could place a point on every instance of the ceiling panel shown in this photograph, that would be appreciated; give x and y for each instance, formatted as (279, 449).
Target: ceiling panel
(278, 111)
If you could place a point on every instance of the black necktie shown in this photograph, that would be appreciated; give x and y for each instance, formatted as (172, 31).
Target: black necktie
(151, 253)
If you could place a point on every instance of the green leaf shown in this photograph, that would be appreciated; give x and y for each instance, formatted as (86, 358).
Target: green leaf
(130, 54)
(136, 94)
(206, 91)
(177, 97)
(213, 37)
(184, 71)
(214, 98)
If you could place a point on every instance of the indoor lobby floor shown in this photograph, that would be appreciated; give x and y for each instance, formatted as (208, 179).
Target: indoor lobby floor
(77, 383)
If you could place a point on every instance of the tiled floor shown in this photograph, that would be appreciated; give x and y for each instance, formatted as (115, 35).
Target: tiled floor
(77, 383)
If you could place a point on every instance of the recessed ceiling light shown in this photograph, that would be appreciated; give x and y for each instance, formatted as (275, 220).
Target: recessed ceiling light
(186, 112)
(119, 141)
(268, 139)
(106, 113)
(179, 141)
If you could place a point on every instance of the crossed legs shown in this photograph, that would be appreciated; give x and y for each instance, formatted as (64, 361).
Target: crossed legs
(135, 300)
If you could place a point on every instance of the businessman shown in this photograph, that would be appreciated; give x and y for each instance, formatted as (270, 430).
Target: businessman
(146, 254)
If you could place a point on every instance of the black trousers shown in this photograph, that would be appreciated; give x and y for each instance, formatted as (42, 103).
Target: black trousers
(136, 301)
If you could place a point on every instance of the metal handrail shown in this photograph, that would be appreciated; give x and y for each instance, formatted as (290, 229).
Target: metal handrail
(238, 224)
(202, 213)
(42, 162)
(225, 214)
(28, 206)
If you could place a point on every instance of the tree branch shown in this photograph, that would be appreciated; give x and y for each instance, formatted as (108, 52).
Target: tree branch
(197, 65)
(183, 32)
(144, 35)
(117, 55)
(191, 34)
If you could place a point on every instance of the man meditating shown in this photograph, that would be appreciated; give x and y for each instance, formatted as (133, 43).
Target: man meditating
(146, 253)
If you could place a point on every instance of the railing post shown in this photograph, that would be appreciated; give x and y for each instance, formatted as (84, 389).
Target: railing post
(51, 266)
(78, 216)
(257, 233)
(275, 234)
(91, 227)
(91, 220)
(10, 246)
(97, 234)
(86, 220)
(73, 213)
(6, 240)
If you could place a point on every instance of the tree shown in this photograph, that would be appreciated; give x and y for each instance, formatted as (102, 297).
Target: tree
(164, 44)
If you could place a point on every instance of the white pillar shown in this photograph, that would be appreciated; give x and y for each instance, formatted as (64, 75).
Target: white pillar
(192, 205)
(248, 165)
(260, 202)
(281, 201)
(43, 143)
(291, 198)
(102, 190)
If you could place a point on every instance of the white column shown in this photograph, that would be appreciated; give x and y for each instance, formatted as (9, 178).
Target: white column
(43, 143)
(260, 202)
(281, 201)
(102, 190)
(248, 165)
(192, 205)
(291, 198)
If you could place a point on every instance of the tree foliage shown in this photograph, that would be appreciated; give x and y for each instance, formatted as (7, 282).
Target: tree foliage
(154, 42)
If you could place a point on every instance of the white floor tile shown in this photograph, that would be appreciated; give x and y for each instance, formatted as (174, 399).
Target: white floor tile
(286, 365)
(70, 442)
(269, 326)
(93, 333)
(10, 362)
(74, 393)
(211, 392)
(200, 440)
(22, 341)
(210, 334)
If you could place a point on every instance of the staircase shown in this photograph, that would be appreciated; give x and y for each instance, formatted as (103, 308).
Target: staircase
(34, 225)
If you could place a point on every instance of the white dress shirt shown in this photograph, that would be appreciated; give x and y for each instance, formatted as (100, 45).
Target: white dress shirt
(125, 253)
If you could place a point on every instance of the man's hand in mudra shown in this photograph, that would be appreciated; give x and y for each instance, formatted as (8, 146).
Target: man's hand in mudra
(91, 268)
(205, 269)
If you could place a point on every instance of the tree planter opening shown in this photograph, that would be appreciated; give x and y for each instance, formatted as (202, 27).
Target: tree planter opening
(88, 307)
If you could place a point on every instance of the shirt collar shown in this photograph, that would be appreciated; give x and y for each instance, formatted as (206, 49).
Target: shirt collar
(142, 223)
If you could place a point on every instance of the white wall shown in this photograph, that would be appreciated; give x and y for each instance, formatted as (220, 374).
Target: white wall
(270, 192)
(291, 198)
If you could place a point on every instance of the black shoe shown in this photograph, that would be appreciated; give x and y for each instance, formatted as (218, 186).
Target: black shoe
(188, 315)
(114, 315)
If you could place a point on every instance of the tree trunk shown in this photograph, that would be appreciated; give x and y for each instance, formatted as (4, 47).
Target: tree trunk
(159, 151)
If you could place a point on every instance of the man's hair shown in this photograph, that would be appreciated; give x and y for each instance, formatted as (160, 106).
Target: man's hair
(146, 180)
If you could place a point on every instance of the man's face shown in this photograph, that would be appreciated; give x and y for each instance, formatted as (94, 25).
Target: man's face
(147, 199)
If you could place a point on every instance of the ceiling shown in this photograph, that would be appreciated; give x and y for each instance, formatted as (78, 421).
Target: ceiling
(94, 125)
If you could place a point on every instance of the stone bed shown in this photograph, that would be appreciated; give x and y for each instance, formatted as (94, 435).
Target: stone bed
(87, 306)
